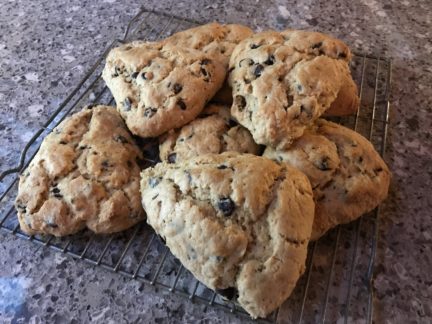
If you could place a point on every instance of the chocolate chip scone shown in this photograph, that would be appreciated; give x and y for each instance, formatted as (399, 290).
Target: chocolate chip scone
(214, 133)
(240, 223)
(159, 88)
(216, 40)
(348, 177)
(85, 174)
(283, 81)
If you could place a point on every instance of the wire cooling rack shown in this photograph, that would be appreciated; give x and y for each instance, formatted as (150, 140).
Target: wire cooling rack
(338, 283)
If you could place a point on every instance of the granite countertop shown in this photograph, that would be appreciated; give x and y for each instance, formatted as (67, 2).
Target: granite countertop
(45, 49)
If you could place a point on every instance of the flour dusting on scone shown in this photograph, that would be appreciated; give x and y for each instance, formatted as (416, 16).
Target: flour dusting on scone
(215, 132)
(240, 223)
(283, 81)
(85, 174)
(348, 177)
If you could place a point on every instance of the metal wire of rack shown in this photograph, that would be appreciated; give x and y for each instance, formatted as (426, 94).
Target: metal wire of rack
(338, 283)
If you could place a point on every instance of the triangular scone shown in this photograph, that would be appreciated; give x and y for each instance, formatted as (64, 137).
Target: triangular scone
(214, 132)
(85, 174)
(159, 88)
(240, 223)
(283, 81)
(348, 177)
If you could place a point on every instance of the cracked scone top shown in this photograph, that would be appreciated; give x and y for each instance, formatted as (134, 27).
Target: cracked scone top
(85, 174)
(348, 176)
(158, 88)
(215, 132)
(283, 81)
(214, 39)
(240, 223)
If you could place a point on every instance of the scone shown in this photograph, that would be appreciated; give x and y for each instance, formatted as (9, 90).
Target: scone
(347, 101)
(213, 133)
(85, 174)
(218, 41)
(348, 176)
(240, 223)
(283, 81)
(157, 89)
(213, 39)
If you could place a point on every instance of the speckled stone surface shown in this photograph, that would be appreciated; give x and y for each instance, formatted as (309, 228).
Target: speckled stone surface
(46, 47)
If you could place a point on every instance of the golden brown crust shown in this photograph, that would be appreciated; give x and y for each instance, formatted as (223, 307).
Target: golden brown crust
(214, 133)
(282, 82)
(348, 176)
(158, 87)
(347, 101)
(236, 221)
(84, 175)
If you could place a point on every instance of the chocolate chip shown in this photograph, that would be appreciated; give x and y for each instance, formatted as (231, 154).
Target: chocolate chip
(226, 206)
(181, 104)
(258, 70)
(177, 88)
(299, 87)
(253, 46)
(270, 60)
(155, 196)
(153, 182)
(57, 195)
(120, 139)
(240, 102)
(205, 62)
(203, 71)
(324, 166)
(149, 112)
(342, 55)
(229, 293)
(22, 207)
(63, 142)
(246, 62)
(317, 45)
(134, 75)
(377, 170)
(143, 75)
(55, 190)
(222, 167)
(290, 100)
(116, 72)
(172, 158)
(127, 104)
(360, 159)
(105, 164)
